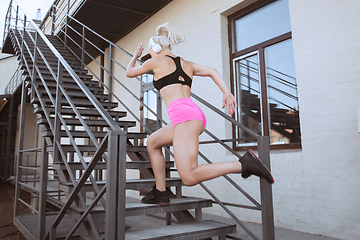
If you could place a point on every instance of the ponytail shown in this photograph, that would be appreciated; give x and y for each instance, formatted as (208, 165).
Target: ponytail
(165, 37)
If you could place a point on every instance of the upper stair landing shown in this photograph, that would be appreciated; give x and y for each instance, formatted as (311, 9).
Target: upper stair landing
(118, 18)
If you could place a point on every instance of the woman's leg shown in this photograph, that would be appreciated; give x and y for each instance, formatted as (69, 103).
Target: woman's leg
(155, 142)
(186, 146)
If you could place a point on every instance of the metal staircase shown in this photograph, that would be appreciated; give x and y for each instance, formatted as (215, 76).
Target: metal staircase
(78, 175)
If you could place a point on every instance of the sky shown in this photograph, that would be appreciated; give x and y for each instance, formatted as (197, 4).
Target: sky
(28, 6)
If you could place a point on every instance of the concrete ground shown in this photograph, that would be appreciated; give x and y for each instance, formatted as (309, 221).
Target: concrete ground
(154, 221)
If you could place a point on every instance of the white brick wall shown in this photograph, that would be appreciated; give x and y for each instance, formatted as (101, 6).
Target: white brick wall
(326, 46)
(316, 188)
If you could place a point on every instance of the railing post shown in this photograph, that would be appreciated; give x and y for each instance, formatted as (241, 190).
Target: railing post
(57, 126)
(102, 66)
(22, 43)
(115, 186)
(53, 21)
(158, 110)
(10, 15)
(43, 190)
(111, 55)
(17, 16)
(20, 147)
(34, 64)
(8, 141)
(83, 47)
(267, 211)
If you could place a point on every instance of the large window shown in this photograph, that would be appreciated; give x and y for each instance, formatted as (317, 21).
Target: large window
(264, 82)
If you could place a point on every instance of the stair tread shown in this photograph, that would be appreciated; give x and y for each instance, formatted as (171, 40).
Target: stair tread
(83, 112)
(97, 134)
(102, 165)
(135, 207)
(130, 184)
(174, 179)
(192, 230)
(91, 148)
(89, 122)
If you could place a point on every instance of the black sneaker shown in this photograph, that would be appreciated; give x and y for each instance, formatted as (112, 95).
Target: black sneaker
(156, 197)
(251, 165)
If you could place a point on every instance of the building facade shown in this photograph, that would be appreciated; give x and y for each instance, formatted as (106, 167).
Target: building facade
(293, 68)
(316, 182)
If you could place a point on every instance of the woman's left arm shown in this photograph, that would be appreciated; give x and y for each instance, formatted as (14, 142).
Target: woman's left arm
(132, 70)
(228, 98)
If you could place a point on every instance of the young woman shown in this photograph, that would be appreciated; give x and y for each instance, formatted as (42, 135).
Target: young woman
(173, 77)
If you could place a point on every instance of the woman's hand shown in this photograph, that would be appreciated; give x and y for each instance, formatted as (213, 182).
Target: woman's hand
(230, 102)
(138, 51)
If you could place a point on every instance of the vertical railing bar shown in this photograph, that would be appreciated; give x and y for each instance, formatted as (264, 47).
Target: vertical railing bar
(20, 147)
(267, 212)
(35, 167)
(158, 110)
(27, 170)
(34, 64)
(57, 126)
(17, 16)
(121, 185)
(102, 66)
(22, 42)
(111, 55)
(83, 47)
(10, 15)
(115, 190)
(8, 141)
(53, 21)
(43, 190)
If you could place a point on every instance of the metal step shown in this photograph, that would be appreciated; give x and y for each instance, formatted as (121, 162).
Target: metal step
(135, 207)
(75, 94)
(53, 61)
(43, 67)
(91, 148)
(77, 103)
(48, 76)
(52, 85)
(84, 112)
(188, 231)
(89, 122)
(103, 165)
(134, 184)
(83, 134)
(87, 79)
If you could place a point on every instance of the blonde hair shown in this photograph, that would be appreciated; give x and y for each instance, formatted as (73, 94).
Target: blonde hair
(165, 37)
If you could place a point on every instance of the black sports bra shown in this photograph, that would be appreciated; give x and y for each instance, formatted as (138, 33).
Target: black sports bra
(173, 77)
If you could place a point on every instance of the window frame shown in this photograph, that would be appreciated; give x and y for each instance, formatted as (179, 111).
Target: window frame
(260, 47)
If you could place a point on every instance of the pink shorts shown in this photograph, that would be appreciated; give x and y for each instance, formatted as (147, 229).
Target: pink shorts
(184, 109)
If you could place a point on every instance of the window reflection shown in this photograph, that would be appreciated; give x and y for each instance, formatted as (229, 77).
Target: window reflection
(282, 93)
(248, 97)
(149, 99)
